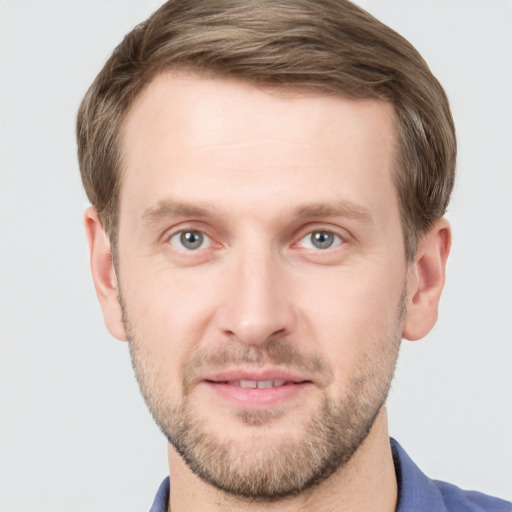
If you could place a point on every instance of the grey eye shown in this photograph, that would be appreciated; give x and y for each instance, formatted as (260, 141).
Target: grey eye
(190, 240)
(320, 240)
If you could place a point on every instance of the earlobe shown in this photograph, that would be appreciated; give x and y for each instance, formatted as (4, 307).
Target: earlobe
(426, 281)
(103, 274)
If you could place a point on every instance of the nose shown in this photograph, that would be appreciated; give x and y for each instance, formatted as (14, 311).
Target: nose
(257, 303)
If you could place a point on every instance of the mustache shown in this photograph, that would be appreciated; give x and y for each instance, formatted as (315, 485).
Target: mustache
(275, 352)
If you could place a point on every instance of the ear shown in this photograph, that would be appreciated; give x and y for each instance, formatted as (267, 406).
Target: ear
(426, 280)
(103, 274)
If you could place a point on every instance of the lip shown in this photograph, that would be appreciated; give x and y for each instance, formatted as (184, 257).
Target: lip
(225, 386)
(256, 374)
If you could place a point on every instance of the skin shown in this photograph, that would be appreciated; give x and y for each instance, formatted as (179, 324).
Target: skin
(238, 163)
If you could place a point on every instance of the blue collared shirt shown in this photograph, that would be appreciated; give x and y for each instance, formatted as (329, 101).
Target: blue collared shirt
(416, 492)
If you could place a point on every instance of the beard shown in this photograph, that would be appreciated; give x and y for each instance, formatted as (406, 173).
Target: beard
(259, 466)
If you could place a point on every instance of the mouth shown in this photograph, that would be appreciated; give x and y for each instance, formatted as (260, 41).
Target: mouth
(252, 390)
(257, 384)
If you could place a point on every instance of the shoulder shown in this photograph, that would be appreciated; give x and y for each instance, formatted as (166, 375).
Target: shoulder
(418, 493)
(458, 500)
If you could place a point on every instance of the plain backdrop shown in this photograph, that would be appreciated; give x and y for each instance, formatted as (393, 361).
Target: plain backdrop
(74, 432)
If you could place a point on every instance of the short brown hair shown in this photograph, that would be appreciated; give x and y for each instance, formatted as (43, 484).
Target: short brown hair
(329, 45)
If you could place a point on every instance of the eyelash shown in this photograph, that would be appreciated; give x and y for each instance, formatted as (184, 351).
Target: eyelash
(337, 240)
(183, 232)
(178, 236)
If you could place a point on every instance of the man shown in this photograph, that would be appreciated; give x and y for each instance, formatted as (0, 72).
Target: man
(268, 181)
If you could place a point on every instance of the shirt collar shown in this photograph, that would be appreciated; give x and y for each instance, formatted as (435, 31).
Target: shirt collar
(415, 490)
(161, 498)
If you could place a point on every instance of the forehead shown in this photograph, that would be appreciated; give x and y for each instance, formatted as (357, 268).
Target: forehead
(222, 141)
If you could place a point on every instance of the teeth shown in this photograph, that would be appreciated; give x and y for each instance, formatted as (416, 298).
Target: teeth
(252, 384)
(258, 384)
(265, 384)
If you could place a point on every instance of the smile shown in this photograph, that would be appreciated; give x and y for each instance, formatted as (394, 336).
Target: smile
(258, 384)
(245, 391)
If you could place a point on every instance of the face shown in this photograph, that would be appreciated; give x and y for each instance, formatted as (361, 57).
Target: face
(261, 272)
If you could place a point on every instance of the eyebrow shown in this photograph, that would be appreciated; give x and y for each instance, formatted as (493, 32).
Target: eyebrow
(345, 209)
(170, 208)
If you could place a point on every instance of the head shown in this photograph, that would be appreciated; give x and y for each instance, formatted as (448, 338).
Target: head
(331, 46)
(270, 178)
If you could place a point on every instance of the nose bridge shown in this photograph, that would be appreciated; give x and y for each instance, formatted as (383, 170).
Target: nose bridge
(256, 306)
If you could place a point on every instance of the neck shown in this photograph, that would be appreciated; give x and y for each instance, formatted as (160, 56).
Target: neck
(366, 483)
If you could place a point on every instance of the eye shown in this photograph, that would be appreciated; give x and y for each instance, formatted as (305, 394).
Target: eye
(190, 240)
(320, 240)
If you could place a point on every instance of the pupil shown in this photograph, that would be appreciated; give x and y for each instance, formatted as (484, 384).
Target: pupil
(191, 239)
(322, 239)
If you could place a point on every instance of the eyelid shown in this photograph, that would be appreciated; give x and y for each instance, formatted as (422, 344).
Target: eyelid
(305, 231)
(338, 240)
(342, 236)
(207, 240)
(183, 227)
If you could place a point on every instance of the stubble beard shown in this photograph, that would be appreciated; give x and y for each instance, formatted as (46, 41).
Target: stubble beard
(260, 467)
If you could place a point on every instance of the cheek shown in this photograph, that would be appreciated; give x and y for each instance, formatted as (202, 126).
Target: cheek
(366, 295)
(352, 314)
(169, 311)
(164, 332)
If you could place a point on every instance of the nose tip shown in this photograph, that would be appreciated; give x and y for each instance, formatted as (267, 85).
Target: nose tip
(250, 331)
(257, 306)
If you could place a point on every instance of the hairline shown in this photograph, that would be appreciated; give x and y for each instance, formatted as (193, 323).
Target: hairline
(296, 89)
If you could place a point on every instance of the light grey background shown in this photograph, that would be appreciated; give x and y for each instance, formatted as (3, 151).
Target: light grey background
(74, 433)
